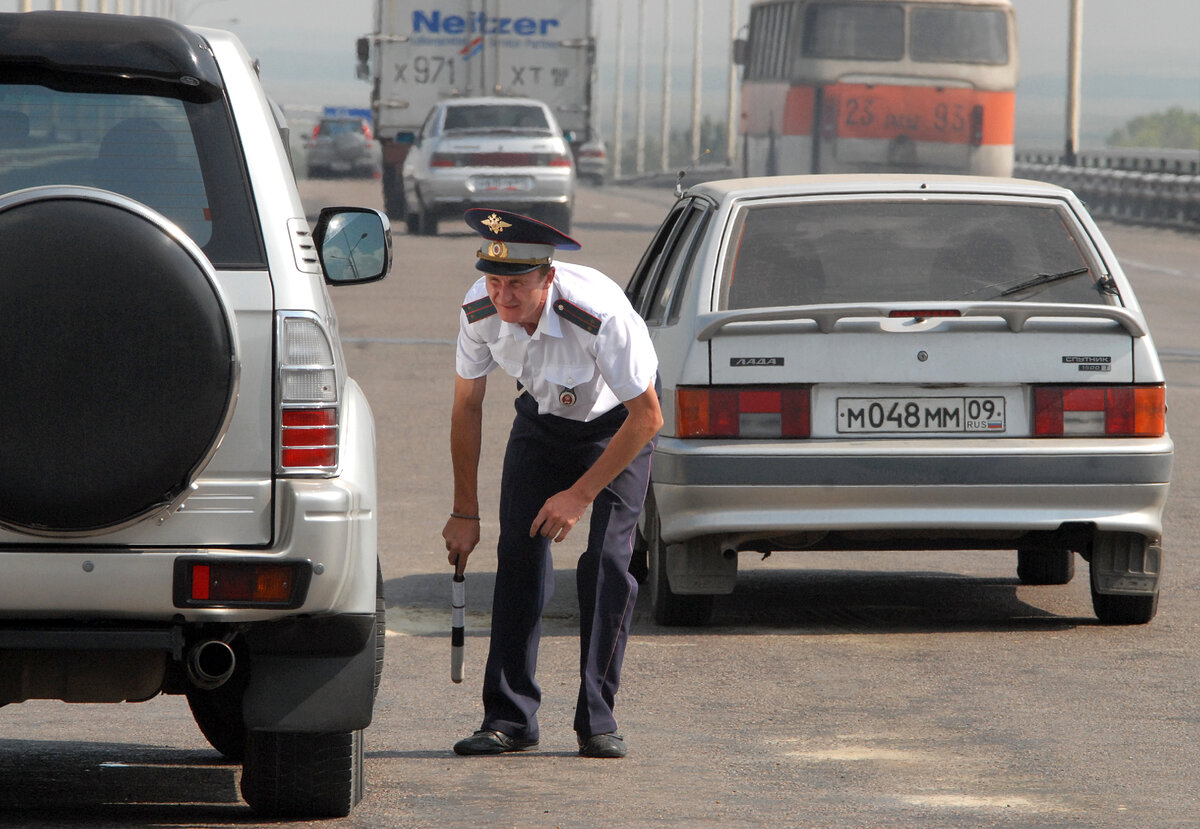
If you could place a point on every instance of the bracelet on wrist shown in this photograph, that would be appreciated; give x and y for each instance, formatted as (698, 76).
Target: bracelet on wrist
(464, 515)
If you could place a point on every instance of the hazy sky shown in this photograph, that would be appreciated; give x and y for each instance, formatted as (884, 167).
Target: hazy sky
(1139, 57)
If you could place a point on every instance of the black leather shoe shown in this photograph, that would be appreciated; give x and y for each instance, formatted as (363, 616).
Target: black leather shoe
(602, 745)
(492, 742)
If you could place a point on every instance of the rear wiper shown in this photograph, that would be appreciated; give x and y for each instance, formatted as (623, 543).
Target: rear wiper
(1043, 279)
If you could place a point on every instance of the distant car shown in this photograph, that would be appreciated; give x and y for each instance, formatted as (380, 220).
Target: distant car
(894, 362)
(591, 159)
(488, 152)
(343, 146)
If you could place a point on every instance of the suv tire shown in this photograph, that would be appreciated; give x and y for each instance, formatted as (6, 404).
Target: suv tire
(303, 775)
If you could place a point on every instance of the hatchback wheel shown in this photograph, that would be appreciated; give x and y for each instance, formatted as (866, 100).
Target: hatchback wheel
(1045, 566)
(670, 608)
(1123, 608)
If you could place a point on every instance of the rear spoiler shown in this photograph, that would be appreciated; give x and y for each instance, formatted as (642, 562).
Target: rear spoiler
(1016, 314)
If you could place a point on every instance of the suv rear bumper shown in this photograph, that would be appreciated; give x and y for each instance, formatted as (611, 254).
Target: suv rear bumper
(327, 523)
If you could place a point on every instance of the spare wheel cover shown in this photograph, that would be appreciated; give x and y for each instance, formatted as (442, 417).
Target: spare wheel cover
(121, 359)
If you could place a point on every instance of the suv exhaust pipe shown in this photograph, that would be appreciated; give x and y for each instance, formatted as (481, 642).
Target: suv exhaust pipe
(210, 664)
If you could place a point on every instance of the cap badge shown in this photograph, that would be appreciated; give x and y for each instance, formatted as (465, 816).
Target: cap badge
(498, 250)
(495, 224)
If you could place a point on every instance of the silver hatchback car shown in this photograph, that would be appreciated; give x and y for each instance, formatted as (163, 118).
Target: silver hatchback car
(492, 152)
(899, 362)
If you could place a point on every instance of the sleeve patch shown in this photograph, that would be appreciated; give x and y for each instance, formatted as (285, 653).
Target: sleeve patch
(480, 309)
(574, 314)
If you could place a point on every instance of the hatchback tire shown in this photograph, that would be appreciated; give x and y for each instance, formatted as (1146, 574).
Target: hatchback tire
(1121, 608)
(670, 608)
(1045, 566)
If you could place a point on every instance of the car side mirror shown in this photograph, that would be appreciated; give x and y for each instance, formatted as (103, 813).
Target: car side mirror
(354, 245)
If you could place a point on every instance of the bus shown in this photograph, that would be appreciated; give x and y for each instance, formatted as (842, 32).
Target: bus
(872, 86)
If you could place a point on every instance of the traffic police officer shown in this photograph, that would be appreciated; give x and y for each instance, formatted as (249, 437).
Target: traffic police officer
(586, 422)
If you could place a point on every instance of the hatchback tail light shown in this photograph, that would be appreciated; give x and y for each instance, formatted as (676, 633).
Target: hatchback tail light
(307, 391)
(743, 412)
(1089, 411)
(500, 159)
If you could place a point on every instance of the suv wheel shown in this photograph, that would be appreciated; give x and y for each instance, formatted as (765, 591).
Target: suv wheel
(670, 608)
(303, 775)
(218, 711)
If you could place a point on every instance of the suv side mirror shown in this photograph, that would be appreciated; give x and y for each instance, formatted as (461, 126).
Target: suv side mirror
(354, 245)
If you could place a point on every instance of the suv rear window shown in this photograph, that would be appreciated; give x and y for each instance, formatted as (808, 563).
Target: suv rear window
(899, 251)
(177, 157)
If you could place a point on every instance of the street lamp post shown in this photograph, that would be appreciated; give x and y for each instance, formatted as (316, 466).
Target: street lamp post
(1074, 64)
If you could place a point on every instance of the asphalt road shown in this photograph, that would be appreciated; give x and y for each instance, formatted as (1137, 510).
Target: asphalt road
(832, 690)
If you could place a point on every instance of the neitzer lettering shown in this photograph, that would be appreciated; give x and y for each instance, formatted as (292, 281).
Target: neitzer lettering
(435, 22)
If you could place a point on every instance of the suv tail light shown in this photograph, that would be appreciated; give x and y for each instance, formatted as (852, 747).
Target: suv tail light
(745, 412)
(1112, 411)
(210, 582)
(308, 410)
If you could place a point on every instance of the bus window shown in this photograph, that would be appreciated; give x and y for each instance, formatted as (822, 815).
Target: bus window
(959, 36)
(854, 31)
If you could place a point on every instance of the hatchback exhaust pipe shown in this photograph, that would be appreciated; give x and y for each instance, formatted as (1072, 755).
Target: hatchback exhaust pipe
(210, 664)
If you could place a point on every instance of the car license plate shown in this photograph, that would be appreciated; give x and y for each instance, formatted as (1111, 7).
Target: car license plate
(904, 415)
(493, 184)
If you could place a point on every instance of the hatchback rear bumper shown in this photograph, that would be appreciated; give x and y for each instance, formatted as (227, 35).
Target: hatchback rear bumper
(938, 488)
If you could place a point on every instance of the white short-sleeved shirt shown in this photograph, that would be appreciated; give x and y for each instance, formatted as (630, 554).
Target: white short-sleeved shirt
(590, 351)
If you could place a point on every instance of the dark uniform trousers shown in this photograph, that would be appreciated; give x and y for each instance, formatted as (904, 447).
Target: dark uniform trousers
(545, 455)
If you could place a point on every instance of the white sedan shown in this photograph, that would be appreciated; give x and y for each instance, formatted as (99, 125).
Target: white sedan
(899, 362)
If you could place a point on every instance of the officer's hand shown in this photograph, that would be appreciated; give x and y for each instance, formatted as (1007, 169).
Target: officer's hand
(461, 536)
(558, 515)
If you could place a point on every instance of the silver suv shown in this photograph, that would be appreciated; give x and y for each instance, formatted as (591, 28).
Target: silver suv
(188, 501)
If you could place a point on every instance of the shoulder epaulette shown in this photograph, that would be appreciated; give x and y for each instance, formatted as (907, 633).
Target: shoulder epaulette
(574, 314)
(480, 309)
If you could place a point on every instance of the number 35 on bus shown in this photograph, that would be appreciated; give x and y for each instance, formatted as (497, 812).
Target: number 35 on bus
(845, 86)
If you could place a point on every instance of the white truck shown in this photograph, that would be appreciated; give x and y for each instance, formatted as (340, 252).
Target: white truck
(422, 51)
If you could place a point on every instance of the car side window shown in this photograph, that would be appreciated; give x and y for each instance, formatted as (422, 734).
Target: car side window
(645, 276)
(663, 305)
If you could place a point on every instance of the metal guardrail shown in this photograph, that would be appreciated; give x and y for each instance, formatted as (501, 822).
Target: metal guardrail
(1155, 187)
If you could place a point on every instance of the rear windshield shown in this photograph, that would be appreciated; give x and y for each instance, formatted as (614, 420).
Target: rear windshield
(898, 251)
(177, 157)
(959, 36)
(495, 115)
(858, 31)
(854, 31)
